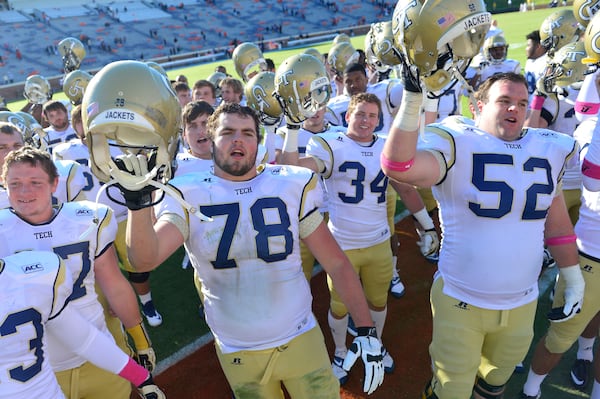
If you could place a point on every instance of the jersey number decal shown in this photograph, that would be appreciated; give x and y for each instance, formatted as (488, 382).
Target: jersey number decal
(505, 192)
(378, 185)
(83, 250)
(10, 326)
(264, 231)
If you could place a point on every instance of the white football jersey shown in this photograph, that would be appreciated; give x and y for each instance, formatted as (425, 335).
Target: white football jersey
(566, 122)
(507, 65)
(534, 70)
(73, 235)
(54, 138)
(188, 163)
(356, 189)
(72, 182)
(75, 150)
(494, 199)
(3, 198)
(34, 288)
(249, 255)
(587, 228)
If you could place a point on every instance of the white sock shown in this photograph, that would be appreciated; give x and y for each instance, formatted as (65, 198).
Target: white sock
(595, 391)
(379, 320)
(585, 350)
(533, 383)
(338, 331)
(145, 298)
(394, 270)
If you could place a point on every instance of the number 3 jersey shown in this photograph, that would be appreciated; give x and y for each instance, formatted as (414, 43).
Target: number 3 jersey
(248, 258)
(356, 189)
(34, 288)
(494, 197)
(73, 235)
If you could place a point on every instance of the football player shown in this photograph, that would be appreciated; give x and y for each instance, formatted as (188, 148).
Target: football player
(483, 302)
(39, 287)
(82, 234)
(495, 50)
(60, 130)
(357, 215)
(274, 338)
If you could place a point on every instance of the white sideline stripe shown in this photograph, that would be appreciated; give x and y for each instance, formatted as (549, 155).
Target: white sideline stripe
(208, 337)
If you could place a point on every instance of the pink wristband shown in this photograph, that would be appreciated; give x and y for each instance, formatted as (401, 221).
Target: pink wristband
(537, 103)
(134, 373)
(590, 169)
(586, 108)
(396, 166)
(561, 240)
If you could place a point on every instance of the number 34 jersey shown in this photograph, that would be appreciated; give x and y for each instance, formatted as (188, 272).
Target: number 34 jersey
(73, 235)
(248, 258)
(494, 199)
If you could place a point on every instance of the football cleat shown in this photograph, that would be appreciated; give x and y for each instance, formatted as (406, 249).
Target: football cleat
(388, 362)
(338, 370)
(520, 368)
(581, 373)
(397, 288)
(153, 318)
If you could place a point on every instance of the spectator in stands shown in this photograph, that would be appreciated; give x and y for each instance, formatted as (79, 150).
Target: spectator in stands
(204, 90)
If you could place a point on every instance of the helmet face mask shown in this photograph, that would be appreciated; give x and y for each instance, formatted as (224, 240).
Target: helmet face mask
(301, 87)
(37, 89)
(248, 60)
(130, 105)
(259, 96)
(72, 52)
(439, 37)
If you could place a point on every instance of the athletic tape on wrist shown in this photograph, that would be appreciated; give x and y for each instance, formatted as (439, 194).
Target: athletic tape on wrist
(409, 113)
(424, 219)
(290, 143)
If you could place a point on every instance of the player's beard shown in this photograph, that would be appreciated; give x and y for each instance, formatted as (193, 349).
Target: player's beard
(231, 166)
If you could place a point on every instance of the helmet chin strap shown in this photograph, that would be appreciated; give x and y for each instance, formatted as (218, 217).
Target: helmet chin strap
(166, 189)
(458, 76)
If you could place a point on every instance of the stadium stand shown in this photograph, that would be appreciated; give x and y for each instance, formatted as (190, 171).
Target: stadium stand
(163, 32)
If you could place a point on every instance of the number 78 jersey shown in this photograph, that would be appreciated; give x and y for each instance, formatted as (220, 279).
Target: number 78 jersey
(248, 257)
(356, 188)
(494, 200)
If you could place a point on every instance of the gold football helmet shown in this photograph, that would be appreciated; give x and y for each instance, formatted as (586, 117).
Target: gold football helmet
(379, 47)
(565, 67)
(558, 29)
(74, 85)
(439, 37)
(130, 105)
(591, 42)
(72, 52)
(37, 89)
(584, 10)
(33, 133)
(315, 53)
(301, 87)
(495, 49)
(340, 56)
(158, 68)
(215, 78)
(17, 120)
(259, 92)
(248, 60)
(341, 38)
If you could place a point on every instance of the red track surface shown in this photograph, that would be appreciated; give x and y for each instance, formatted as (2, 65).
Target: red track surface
(406, 336)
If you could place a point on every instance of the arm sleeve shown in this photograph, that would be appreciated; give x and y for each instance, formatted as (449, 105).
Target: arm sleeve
(77, 334)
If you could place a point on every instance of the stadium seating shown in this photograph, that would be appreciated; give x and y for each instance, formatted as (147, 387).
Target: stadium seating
(132, 29)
